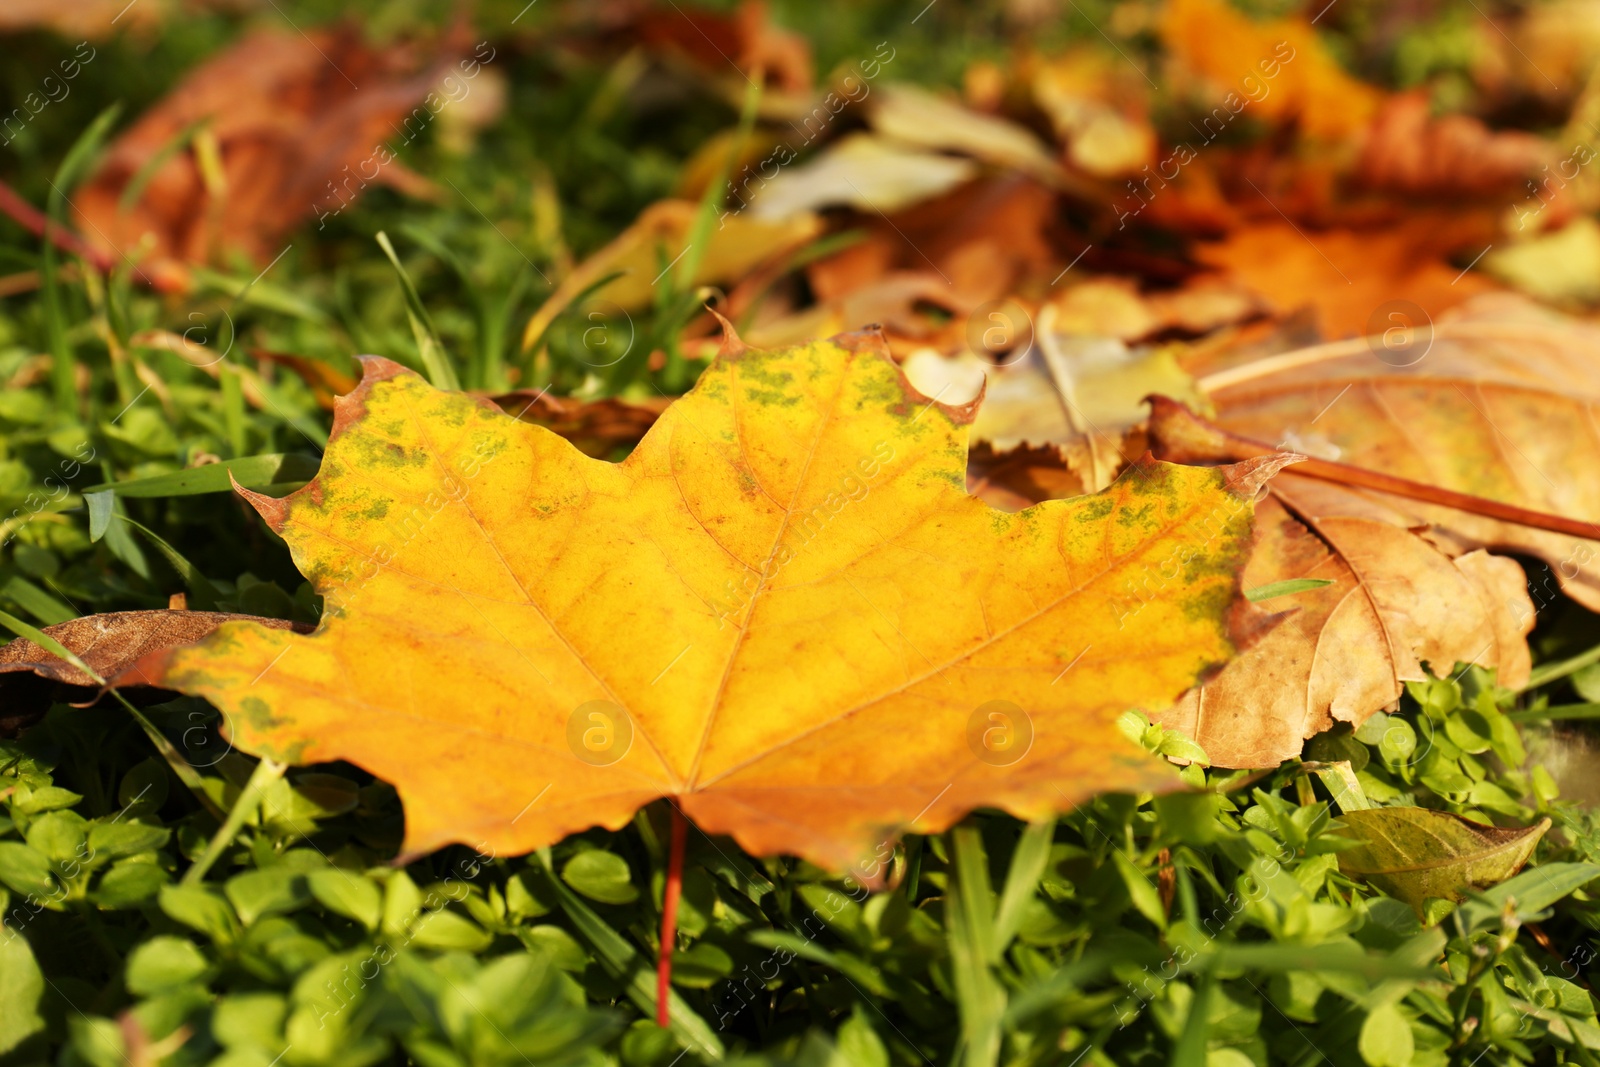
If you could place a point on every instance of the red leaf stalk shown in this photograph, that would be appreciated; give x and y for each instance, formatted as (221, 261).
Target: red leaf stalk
(669, 913)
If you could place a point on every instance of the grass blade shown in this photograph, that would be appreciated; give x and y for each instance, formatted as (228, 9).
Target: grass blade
(252, 472)
(435, 360)
(1027, 867)
(1549, 672)
(969, 917)
(1289, 587)
(72, 167)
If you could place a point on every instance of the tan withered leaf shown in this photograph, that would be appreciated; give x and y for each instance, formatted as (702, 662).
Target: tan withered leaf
(1413, 854)
(1395, 602)
(1502, 402)
(783, 610)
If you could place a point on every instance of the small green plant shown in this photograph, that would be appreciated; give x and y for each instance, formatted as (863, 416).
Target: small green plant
(1208, 926)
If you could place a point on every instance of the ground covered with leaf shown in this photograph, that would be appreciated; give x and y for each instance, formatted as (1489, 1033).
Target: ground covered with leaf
(1362, 234)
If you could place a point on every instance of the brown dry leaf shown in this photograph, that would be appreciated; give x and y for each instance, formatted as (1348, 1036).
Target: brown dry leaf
(1020, 477)
(1277, 71)
(1408, 151)
(1505, 404)
(726, 47)
(31, 678)
(984, 240)
(1345, 275)
(294, 135)
(597, 427)
(922, 272)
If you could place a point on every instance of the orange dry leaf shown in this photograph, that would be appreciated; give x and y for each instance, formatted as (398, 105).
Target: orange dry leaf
(283, 127)
(782, 610)
(1275, 71)
(1347, 276)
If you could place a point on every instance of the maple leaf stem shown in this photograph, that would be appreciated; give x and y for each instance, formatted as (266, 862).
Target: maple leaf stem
(669, 913)
(1181, 436)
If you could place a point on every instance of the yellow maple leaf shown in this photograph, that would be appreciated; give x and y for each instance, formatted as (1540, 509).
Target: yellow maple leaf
(782, 610)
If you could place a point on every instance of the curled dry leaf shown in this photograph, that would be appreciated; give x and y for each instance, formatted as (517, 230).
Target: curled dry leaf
(1395, 603)
(1499, 402)
(782, 609)
(1414, 854)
